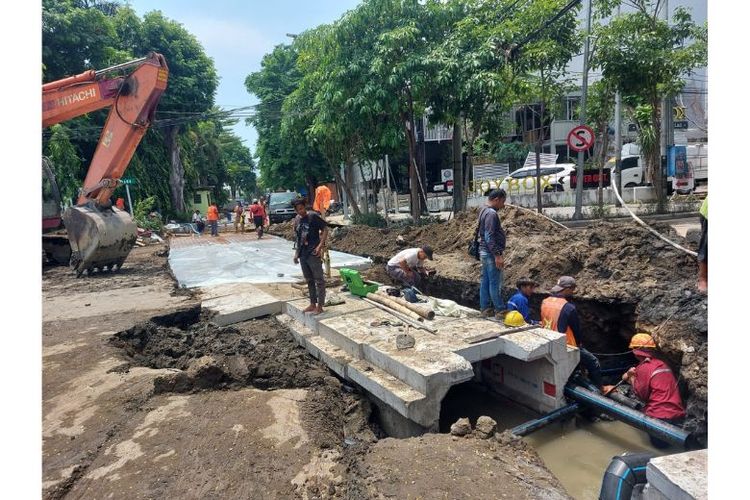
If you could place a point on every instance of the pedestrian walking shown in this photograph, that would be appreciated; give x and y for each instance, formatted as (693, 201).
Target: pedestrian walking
(259, 214)
(212, 215)
(491, 248)
(311, 233)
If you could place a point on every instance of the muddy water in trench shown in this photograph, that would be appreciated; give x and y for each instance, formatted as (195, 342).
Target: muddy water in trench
(576, 451)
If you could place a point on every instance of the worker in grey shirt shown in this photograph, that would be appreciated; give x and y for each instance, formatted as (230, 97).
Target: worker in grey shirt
(407, 266)
(491, 248)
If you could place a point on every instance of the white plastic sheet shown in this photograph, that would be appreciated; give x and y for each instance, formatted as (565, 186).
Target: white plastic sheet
(264, 261)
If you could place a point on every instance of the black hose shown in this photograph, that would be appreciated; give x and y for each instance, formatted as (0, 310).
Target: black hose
(624, 472)
(536, 424)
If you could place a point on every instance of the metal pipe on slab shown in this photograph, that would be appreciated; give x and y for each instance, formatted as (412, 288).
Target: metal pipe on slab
(386, 301)
(422, 311)
(403, 318)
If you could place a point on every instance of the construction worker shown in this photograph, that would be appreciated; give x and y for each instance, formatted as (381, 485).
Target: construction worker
(212, 216)
(703, 249)
(491, 248)
(311, 232)
(407, 266)
(322, 200)
(654, 383)
(321, 204)
(239, 217)
(520, 300)
(559, 314)
(259, 215)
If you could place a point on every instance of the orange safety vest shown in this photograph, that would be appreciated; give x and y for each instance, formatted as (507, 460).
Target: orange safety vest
(322, 199)
(551, 309)
(212, 214)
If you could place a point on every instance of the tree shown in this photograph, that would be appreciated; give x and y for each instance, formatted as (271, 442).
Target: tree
(66, 163)
(600, 104)
(646, 57)
(286, 157)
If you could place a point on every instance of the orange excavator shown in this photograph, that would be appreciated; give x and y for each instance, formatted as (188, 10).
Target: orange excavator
(101, 235)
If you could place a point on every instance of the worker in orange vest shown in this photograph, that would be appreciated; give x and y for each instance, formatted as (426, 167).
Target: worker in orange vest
(321, 204)
(559, 314)
(212, 216)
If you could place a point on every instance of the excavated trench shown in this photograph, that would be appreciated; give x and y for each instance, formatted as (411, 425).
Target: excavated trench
(259, 353)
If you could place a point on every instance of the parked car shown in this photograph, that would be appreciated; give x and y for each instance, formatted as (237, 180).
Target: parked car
(552, 177)
(631, 171)
(280, 207)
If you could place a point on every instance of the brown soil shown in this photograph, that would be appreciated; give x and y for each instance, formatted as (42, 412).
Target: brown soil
(627, 278)
(173, 406)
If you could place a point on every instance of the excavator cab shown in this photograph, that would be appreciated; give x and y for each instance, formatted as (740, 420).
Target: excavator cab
(100, 235)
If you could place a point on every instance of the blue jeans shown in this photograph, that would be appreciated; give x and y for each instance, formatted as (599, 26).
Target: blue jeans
(491, 284)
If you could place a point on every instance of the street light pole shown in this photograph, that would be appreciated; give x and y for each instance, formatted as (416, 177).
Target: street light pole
(577, 215)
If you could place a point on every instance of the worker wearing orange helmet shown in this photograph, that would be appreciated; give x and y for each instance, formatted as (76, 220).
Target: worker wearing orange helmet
(653, 382)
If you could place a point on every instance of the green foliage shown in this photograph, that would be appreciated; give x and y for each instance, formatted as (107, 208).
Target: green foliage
(93, 34)
(142, 214)
(66, 163)
(369, 219)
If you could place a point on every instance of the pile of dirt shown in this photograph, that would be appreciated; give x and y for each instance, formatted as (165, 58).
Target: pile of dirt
(254, 353)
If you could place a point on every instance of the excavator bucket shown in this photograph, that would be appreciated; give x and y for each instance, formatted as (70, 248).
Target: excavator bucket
(99, 238)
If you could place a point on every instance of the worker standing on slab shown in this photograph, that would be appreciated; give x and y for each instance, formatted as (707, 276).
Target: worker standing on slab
(239, 217)
(212, 216)
(407, 266)
(311, 233)
(259, 215)
(321, 204)
(559, 314)
(491, 248)
(703, 249)
(520, 300)
(654, 383)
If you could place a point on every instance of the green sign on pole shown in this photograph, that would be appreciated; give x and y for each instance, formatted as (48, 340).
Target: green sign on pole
(128, 181)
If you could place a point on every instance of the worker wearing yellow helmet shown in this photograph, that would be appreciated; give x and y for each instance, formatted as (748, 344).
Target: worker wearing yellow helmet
(654, 383)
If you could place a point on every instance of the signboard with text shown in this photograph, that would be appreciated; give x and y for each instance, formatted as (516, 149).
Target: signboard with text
(591, 179)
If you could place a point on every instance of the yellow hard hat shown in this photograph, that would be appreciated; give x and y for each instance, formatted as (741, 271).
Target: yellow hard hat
(641, 340)
(514, 318)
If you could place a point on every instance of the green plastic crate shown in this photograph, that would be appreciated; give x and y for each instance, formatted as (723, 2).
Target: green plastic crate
(355, 283)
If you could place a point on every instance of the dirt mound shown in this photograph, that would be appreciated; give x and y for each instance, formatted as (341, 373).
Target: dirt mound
(256, 353)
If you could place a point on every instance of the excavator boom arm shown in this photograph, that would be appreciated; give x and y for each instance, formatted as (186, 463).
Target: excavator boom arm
(133, 101)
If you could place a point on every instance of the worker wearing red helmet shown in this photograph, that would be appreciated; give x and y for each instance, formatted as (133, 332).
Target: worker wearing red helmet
(653, 382)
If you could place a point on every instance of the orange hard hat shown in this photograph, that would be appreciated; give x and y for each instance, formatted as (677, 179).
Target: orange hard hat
(642, 340)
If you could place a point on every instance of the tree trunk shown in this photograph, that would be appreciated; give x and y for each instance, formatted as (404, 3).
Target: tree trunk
(347, 189)
(602, 159)
(413, 182)
(538, 150)
(177, 171)
(364, 186)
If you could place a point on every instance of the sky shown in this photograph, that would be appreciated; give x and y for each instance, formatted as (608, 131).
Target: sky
(236, 34)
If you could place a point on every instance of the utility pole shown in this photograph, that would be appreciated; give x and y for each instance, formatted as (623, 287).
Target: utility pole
(458, 171)
(577, 215)
(618, 140)
(667, 135)
(345, 200)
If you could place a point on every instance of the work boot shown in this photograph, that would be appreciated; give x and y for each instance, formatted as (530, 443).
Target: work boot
(500, 314)
(488, 313)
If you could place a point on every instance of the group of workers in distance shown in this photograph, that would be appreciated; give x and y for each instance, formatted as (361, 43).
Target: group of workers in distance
(257, 211)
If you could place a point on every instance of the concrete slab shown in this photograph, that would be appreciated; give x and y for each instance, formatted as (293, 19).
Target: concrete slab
(239, 259)
(241, 307)
(358, 341)
(214, 291)
(683, 476)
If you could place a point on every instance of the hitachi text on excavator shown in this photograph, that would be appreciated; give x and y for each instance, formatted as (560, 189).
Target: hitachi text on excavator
(101, 235)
